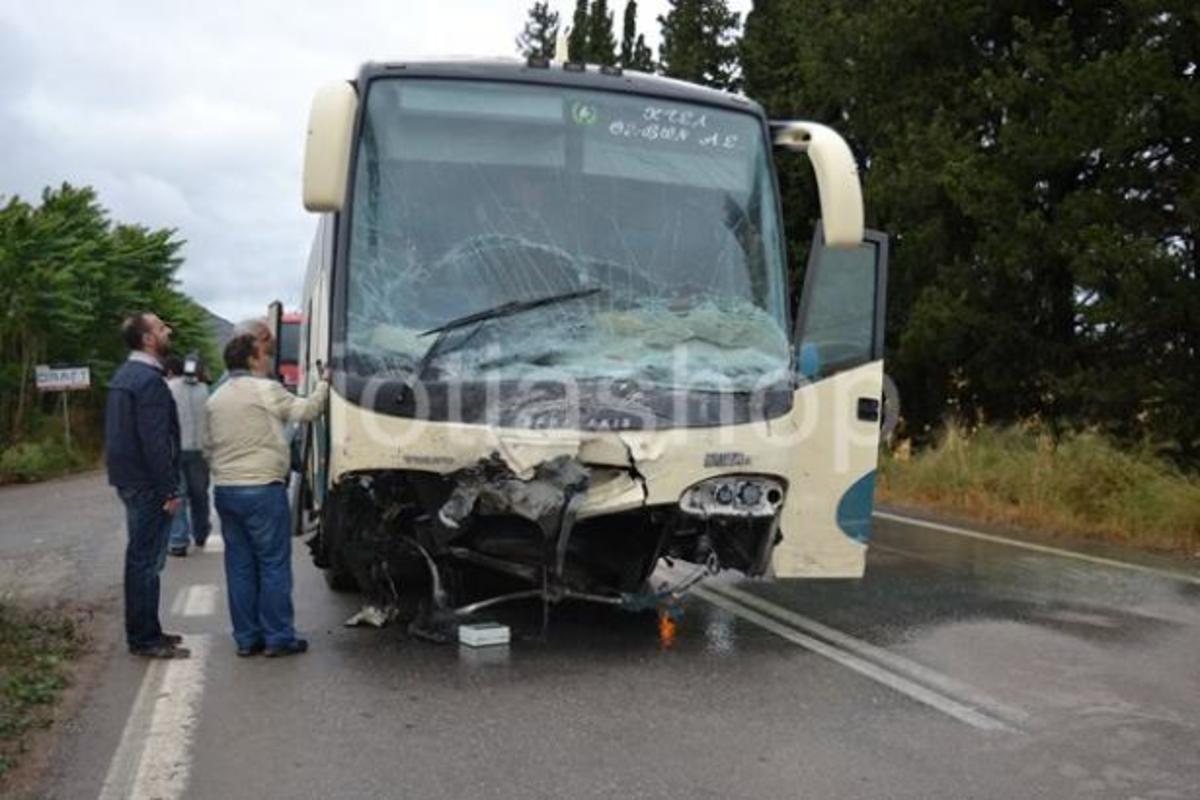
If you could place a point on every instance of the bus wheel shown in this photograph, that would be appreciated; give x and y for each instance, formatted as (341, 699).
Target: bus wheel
(338, 575)
(340, 580)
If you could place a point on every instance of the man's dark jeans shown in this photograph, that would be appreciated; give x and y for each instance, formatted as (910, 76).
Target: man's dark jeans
(147, 525)
(193, 484)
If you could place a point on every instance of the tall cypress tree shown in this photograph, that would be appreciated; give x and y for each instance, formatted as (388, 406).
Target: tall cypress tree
(699, 43)
(602, 45)
(634, 52)
(643, 56)
(577, 40)
(628, 33)
(539, 38)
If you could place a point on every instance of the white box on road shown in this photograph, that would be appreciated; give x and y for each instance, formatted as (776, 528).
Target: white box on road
(482, 634)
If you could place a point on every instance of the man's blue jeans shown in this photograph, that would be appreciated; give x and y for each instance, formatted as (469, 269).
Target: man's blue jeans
(145, 551)
(193, 487)
(258, 563)
(181, 526)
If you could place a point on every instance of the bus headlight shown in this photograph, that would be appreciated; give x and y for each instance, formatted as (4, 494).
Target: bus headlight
(734, 496)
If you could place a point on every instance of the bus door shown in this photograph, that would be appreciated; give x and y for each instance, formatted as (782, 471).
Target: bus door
(838, 410)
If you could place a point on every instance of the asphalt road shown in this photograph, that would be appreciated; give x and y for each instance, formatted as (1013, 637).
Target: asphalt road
(958, 668)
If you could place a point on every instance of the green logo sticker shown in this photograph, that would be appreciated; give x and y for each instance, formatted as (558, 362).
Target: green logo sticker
(584, 114)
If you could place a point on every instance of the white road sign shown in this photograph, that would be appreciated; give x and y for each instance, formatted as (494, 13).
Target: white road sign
(62, 379)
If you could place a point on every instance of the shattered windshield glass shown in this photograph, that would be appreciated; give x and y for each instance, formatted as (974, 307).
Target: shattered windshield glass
(472, 195)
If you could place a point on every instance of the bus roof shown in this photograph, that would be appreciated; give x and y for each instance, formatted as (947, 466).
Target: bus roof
(555, 73)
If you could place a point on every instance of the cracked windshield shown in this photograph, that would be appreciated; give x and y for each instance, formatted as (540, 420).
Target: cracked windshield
(648, 223)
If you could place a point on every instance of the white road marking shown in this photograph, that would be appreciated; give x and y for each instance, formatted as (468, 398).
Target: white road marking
(1040, 548)
(180, 602)
(918, 672)
(154, 757)
(201, 600)
(939, 702)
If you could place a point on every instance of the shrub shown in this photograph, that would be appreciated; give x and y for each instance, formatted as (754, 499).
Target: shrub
(35, 461)
(1079, 483)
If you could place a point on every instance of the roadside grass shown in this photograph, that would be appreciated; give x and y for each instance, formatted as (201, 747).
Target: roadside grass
(39, 451)
(40, 460)
(1080, 484)
(36, 650)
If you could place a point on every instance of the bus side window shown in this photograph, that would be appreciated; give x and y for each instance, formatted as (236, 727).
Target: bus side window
(840, 325)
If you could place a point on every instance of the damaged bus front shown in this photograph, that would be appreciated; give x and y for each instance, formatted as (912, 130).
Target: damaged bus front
(554, 300)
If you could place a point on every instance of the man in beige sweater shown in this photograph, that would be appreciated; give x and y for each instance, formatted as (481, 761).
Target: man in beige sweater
(249, 458)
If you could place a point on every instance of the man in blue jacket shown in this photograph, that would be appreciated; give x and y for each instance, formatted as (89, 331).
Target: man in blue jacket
(141, 446)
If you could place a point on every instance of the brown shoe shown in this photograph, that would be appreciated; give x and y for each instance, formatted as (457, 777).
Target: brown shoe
(161, 650)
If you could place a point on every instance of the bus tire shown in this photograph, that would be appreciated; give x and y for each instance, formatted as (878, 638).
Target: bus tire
(338, 576)
(340, 581)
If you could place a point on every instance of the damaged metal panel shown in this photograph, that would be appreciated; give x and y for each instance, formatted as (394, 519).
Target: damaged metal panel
(600, 508)
(612, 491)
(491, 488)
(536, 530)
(525, 452)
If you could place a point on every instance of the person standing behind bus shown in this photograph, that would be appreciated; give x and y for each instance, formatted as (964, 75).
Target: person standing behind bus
(190, 396)
(173, 372)
(249, 458)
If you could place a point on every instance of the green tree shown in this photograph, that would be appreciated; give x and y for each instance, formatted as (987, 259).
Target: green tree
(699, 43)
(539, 38)
(634, 52)
(577, 39)
(601, 44)
(68, 277)
(628, 32)
(1037, 163)
(643, 56)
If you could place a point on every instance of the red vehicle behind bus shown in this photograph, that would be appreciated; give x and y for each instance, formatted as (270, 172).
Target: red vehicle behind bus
(289, 349)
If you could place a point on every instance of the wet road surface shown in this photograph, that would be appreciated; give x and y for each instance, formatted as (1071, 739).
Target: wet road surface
(62, 538)
(958, 668)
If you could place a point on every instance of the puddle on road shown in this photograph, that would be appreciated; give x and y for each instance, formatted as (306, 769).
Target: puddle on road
(1070, 617)
(579, 636)
(588, 631)
(1189, 591)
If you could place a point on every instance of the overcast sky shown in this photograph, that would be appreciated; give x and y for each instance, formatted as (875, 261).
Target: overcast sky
(192, 115)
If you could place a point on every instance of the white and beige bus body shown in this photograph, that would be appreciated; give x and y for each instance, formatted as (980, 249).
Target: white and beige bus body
(554, 299)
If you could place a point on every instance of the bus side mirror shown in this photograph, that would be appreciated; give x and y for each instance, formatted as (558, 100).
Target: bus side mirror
(837, 177)
(327, 147)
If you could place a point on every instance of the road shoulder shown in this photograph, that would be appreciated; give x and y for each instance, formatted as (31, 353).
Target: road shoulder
(1071, 543)
(96, 625)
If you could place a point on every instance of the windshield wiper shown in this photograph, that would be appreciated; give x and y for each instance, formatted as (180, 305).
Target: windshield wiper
(505, 310)
(512, 307)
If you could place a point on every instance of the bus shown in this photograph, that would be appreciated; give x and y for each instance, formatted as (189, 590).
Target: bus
(554, 300)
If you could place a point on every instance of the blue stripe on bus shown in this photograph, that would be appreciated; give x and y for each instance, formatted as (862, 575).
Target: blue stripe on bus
(855, 507)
